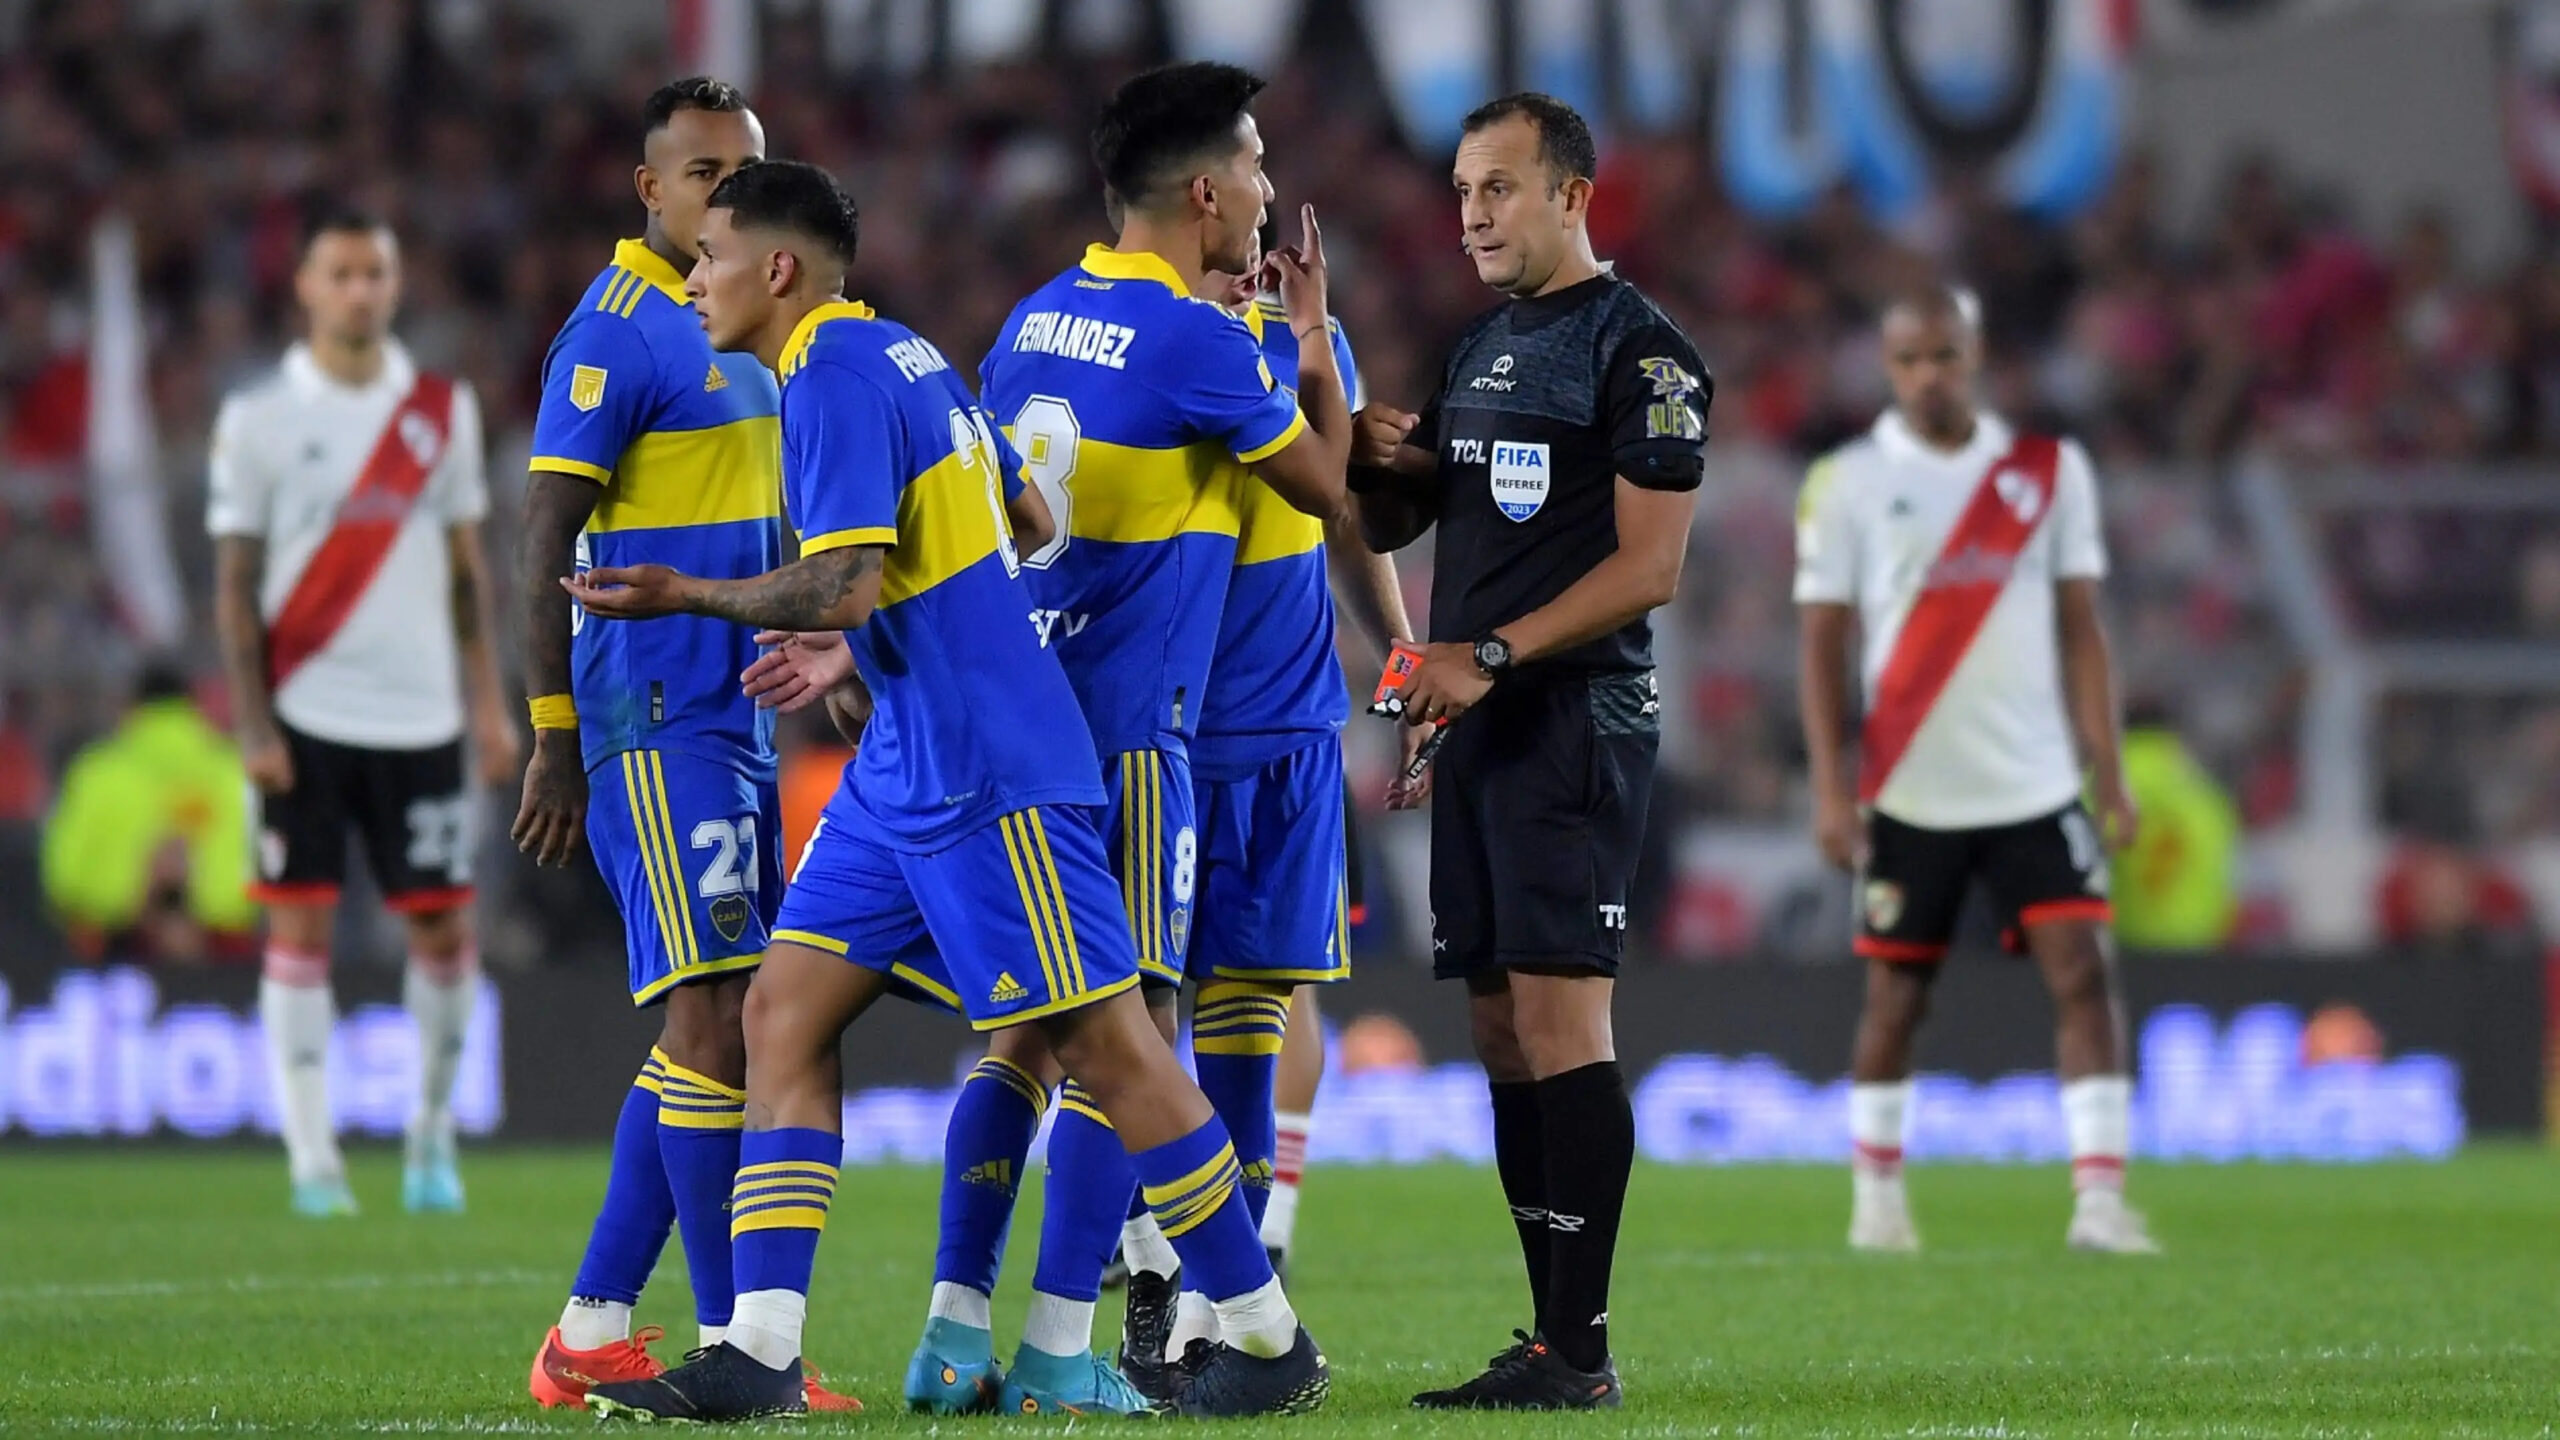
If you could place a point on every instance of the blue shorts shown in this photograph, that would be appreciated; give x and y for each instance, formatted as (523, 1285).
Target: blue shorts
(1275, 903)
(687, 847)
(1148, 826)
(1012, 921)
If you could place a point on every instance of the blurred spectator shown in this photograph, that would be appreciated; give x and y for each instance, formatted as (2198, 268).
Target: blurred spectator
(2441, 897)
(2177, 888)
(147, 853)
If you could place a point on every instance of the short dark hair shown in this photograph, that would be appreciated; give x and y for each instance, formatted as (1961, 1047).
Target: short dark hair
(1165, 117)
(795, 196)
(1564, 137)
(693, 92)
(336, 217)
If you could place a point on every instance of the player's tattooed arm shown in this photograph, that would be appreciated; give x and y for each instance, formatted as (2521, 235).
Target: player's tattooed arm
(240, 629)
(553, 811)
(831, 590)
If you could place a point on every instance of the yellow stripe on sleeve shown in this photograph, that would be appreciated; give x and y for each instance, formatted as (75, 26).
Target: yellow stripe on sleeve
(1260, 453)
(566, 466)
(840, 539)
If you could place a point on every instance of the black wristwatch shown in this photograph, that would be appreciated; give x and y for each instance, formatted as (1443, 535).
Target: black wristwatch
(1493, 656)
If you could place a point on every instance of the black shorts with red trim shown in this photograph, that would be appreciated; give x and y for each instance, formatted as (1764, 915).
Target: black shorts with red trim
(2035, 871)
(408, 809)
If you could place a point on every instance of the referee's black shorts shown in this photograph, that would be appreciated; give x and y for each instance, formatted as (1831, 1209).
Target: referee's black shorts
(1537, 815)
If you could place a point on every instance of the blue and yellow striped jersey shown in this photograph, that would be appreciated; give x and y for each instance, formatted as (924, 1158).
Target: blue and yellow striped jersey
(1275, 684)
(883, 445)
(688, 449)
(1137, 410)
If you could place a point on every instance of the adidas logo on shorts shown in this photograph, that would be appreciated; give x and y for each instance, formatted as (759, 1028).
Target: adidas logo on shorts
(1007, 989)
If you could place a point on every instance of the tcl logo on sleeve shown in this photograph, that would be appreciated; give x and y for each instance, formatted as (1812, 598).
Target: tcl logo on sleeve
(1519, 478)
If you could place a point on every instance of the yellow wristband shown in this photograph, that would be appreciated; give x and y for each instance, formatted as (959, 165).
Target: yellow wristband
(553, 712)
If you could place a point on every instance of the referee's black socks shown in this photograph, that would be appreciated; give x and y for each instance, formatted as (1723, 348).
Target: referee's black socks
(1520, 1154)
(1588, 1130)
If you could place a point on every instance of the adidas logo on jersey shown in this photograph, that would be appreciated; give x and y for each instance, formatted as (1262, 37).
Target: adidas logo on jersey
(714, 381)
(1007, 989)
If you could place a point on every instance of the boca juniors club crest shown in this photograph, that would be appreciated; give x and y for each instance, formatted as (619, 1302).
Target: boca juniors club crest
(729, 916)
(1883, 901)
(1520, 478)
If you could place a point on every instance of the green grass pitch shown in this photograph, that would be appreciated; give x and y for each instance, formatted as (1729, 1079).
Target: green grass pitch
(164, 1291)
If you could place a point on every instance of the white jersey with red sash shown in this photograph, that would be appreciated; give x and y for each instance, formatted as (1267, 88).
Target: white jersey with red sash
(1950, 558)
(353, 490)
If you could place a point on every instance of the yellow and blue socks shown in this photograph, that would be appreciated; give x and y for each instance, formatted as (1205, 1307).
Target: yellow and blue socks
(777, 1210)
(639, 1210)
(1235, 1046)
(699, 1122)
(983, 1152)
(1087, 1198)
(1195, 1186)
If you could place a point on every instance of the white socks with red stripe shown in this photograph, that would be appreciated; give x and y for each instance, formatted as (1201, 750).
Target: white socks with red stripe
(2097, 1113)
(1879, 1116)
(298, 1016)
(438, 995)
(1280, 1221)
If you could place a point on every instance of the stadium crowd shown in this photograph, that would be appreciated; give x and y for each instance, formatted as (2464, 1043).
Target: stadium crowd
(2272, 329)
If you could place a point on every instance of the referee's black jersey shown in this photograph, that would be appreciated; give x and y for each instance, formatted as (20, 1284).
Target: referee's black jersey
(1544, 404)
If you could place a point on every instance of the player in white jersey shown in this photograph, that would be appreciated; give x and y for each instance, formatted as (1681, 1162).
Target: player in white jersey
(352, 601)
(1967, 555)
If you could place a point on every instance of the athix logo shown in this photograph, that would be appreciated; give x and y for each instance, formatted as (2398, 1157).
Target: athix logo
(1498, 380)
(1613, 917)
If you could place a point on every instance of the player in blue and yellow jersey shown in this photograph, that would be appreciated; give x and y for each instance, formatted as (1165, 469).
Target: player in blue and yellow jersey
(1142, 408)
(1272, 887)
(648, 446)
(962, 861)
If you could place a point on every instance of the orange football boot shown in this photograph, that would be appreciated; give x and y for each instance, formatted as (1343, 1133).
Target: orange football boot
(821, 1399)
(562, 1376)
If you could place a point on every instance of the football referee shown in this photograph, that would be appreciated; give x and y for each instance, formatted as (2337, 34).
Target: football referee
(1561, 460)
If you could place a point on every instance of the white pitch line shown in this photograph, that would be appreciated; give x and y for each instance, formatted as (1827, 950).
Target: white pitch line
(271, 1284)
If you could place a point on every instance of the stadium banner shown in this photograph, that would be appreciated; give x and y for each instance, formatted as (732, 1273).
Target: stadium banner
(2264, 1059)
